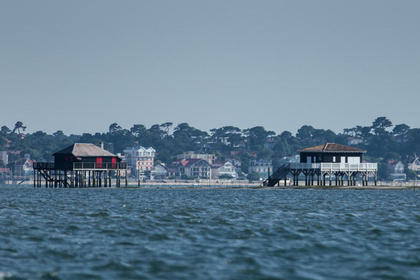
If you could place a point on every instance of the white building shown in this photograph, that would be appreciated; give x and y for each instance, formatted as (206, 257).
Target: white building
(262, 167)
(139, 159)
(398, 172)
(225, 169)
(415, 165)
(159, 171)
(4, 157)
(210, 158)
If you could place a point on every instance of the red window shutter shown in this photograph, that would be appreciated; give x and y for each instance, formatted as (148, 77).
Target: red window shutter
(98, 162)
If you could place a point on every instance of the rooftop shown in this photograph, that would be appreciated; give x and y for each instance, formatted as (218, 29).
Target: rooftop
(332, 147)
(85, 150)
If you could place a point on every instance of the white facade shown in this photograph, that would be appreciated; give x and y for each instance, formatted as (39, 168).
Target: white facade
(159, 171)
(227, 169)
(262, 167)
(4, 157)
(415, 165)
(140, 159)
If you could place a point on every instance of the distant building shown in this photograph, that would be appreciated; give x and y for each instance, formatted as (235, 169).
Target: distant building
(397, 171)
(139, 159)
(4, 158)
(261, 166)
(191, 168)
(210, 158)
(415, 165)
(235, 162)
(28, 167)
(354, 141)
(226, 169)
(23, 167)
(159, 171)
(197, 168)
(289, 159)
(4, 174)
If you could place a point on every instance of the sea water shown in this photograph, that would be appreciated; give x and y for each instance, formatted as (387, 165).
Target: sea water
(208, 234)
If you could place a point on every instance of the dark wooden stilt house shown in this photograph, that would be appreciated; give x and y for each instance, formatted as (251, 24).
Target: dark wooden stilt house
(80, 165)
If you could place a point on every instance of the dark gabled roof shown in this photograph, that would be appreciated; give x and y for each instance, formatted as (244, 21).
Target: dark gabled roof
(195, 160)
(332, 147)
(85, 150)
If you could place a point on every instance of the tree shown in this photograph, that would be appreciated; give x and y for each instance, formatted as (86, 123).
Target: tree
(18, 127)
(166, 127)
(400, 129)
(380, 125)
(5, 130)
(114, 128)
(257, 136)
(305, 132)
(138, 129)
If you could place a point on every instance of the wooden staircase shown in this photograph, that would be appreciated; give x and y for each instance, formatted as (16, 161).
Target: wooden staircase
(279, 174)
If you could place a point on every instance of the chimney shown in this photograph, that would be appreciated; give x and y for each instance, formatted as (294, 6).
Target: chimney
(102, 145)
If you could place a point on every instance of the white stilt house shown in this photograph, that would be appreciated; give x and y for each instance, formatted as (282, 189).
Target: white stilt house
(328, 162)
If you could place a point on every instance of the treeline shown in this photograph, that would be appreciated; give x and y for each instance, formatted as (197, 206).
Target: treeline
(382, 140)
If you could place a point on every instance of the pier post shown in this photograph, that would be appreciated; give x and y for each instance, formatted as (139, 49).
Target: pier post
(65, 179)
(109, 178)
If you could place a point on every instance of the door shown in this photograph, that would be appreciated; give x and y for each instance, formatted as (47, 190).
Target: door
(343, 159)
(308, 159)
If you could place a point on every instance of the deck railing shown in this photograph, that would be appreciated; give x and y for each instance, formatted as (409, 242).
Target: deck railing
(103, 165)
(326, 166)
(83, 165)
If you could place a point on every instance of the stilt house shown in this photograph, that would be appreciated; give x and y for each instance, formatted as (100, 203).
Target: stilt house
(80, 165)
(325, 163)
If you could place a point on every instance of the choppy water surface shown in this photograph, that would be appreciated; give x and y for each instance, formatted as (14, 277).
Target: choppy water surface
(208, 234)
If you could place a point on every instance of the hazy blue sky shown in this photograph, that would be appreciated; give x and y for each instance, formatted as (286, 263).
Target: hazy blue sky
(81, 65)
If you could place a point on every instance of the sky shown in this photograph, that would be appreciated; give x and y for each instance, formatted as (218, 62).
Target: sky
(79, 66)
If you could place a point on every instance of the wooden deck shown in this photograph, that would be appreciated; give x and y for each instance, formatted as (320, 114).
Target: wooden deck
(325, 172)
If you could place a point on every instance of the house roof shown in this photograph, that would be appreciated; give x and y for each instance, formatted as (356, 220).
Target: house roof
(85, 150)
(332, 147)
(195, 160)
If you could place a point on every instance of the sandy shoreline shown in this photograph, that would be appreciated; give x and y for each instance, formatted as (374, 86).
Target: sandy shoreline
(237, 185)
(254, 187)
